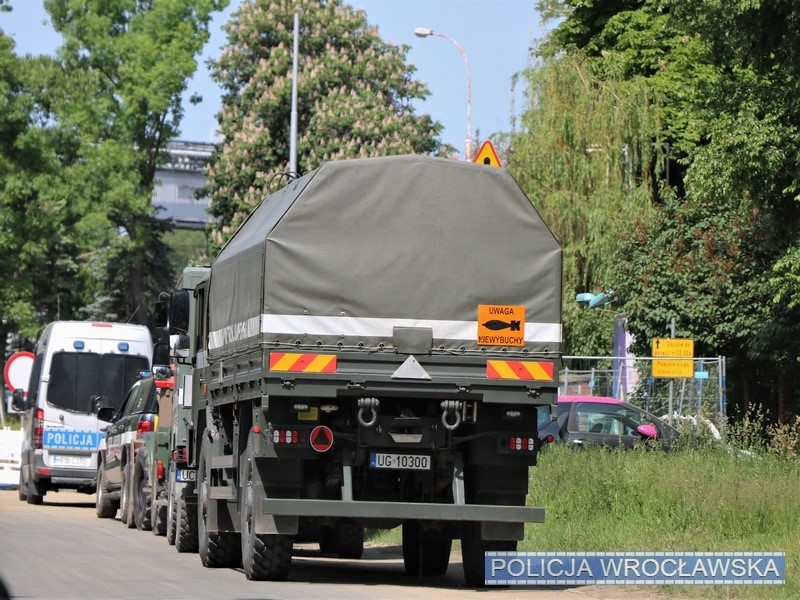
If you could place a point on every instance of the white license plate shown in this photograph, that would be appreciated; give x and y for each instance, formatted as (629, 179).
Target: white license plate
(70, 460)
(183, 475)
(406, 462)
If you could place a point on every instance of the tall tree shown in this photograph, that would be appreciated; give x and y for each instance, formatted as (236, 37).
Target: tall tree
(354, 96)
(585, 155)
(727, 76)
(125, 65)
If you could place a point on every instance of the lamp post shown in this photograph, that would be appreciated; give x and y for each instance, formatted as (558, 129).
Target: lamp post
(424, 32)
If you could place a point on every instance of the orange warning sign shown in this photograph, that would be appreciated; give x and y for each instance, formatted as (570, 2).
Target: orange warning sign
(501, 325)
(487, 155)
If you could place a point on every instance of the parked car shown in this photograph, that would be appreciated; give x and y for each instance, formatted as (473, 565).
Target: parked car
(600, 420)
(128, 473)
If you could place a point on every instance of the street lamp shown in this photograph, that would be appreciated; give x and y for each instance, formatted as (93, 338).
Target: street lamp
(424, 32)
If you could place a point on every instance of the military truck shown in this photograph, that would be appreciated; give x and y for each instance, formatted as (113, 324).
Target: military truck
(181, 496)
(369, 349)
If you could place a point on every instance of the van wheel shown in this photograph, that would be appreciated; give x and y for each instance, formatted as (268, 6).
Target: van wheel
(23, 486)
(105, 507)
(35, 493)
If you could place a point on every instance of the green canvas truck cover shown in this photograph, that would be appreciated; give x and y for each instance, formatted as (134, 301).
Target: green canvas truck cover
(357, 251)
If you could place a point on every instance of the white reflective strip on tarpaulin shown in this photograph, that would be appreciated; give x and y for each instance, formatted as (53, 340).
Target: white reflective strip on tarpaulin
(384, 328)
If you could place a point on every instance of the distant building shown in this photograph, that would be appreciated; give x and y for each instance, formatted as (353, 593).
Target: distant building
(177, 183)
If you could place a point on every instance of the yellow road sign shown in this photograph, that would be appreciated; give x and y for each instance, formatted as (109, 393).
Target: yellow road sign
(487, 156)
(673, 347)
(673, 368)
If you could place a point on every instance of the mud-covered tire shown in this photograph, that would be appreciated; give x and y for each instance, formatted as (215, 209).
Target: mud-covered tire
(126, 499)
(349, 539)
(473, 549)
(104, 506)
(265, 557)
(216, 549)
(431, 557)
(186, 527)
(141, 497)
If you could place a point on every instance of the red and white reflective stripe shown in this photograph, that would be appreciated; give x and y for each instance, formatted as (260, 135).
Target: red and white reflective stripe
(520, 369)
(295, 362)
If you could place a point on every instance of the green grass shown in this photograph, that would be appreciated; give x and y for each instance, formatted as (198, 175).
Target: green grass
(691, 500)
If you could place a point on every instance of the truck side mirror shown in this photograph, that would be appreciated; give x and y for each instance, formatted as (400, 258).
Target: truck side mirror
(179, 312)
(18, 400)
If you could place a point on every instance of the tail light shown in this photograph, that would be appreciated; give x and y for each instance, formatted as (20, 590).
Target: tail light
(144, 427)
(181, 454)
(160, 470)
(38, 428)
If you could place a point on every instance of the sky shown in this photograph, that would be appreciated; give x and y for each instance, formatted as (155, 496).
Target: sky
(496, 36)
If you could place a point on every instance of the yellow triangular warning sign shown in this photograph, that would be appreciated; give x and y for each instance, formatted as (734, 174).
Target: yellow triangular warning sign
(487, 156)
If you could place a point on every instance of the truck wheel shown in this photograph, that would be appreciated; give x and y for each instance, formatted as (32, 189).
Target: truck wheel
(125, 503)
(327, 539)
(158, 516)
(430, 556)
(171, 528)
(265, 557)
(186, 526)
(141, 497)
(217, 549)
(105, 507)
(349, 539)
(473, 549)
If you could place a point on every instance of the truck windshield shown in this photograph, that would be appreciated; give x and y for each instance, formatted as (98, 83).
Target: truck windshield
(77, 378)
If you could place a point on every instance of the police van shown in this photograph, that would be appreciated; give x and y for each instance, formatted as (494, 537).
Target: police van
(78, 368)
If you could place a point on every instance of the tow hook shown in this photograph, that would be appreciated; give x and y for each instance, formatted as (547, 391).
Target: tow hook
(369, 405)
(451, 407)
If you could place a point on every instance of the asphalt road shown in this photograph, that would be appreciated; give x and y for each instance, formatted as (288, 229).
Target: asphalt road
(62, 550)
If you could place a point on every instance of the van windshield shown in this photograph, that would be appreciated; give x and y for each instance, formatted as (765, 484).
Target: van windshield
(77, 378)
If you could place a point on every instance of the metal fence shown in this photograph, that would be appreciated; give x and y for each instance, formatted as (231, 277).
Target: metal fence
(631, 379)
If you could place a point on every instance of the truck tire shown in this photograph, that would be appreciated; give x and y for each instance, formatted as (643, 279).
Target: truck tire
(473, 549)
(171, 527)
(126, 498)
(349, 539)
(142, 499)
(105, 507)
(429, 557)
(186, 526)
(158, 516)
(327, 539)
(265, 557)
(220, 548)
